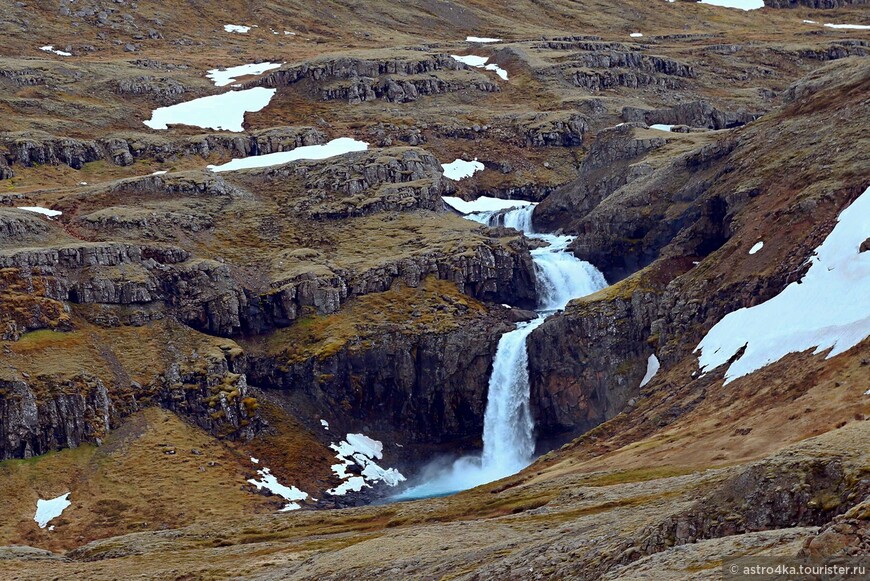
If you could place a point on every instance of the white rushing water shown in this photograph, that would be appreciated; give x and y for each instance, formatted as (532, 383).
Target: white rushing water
(508, 426)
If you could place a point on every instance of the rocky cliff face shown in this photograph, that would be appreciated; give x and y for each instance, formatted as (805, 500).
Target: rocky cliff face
(605, 344)
(608, 166)
(846, 535)
(50, 413)
(421, 389)
(775, 494)
(59, 408)
(110, 285)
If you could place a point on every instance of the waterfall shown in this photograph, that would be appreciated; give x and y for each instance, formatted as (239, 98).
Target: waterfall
(508, 426)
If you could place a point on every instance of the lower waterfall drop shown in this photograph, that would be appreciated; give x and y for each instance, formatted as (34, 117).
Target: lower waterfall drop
(508, 426)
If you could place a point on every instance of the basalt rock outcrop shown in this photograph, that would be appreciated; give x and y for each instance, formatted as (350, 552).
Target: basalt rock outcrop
(548, 129)
(837, 50)
(596, 81)
(846, 535)
(28, 149)
(139, 282)
(51, 411)
(397, 80)
(628, 230)
(694, 114)
(605, 342)
(608, 166)
(423, 388)
(790, 489)
(536, 129)
(391, 180)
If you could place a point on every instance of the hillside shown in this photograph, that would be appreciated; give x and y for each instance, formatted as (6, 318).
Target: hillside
(179, 338)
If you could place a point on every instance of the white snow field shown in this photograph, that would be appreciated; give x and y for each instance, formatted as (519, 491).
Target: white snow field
(849, 26)
(460, 169)
(361, 450)
(636, 35)
(46, 510)
(480, 62)
(756, 247)
(225, 111)
(335, 147)
(224, 77)
(238, 29)
(50, 48)
(829, 308)
(739, 4)
(661, 127)
(269, 482)
(652, 367)
(41, 210)
(481, 39)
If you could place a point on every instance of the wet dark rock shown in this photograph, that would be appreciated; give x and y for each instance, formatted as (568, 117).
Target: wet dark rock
(587, 362)
(428, 388)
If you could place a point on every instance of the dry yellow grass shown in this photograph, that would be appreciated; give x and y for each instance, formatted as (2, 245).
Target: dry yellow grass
(131, 483)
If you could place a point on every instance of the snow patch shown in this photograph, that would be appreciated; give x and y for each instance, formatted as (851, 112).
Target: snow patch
(255, 460)
(739, 4)
(829, 308)
(46, 510)
(481, 39)
(636, 35)
(652, 367)
(471, 60)
(460, 169)
(361, 450)
(41, 210)
(849, 26)
(498, 70)
(223, 77)
(756, 247)
(325, 424)
(158, 173)
(335, 147)
(225, 111)
(480, 62)
(484, 204)
(661, 127)
(238, 29)
(50, 48)
(269, 482)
